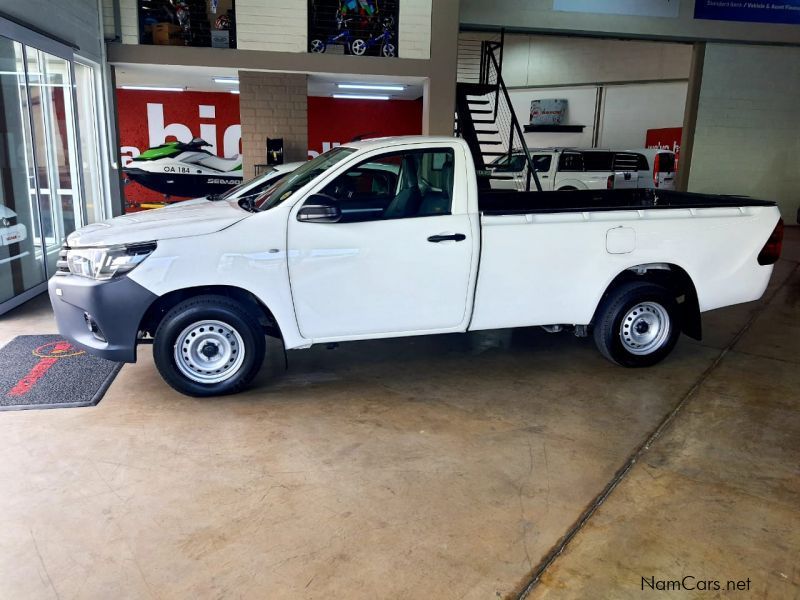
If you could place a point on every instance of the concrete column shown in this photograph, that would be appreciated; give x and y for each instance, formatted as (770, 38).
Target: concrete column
(440, 89)
(273, 105)
(690, 114)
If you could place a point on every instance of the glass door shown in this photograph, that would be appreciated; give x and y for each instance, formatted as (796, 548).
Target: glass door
(21, 252)
(54, 149)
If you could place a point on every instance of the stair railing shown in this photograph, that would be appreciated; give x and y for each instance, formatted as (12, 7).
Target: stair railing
(491, 74)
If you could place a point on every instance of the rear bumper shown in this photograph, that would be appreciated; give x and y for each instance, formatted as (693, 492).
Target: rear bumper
(114, 308)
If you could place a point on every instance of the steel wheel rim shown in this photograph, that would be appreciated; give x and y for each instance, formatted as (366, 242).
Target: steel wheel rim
(209, 352)
(358, 47)
(645, 328)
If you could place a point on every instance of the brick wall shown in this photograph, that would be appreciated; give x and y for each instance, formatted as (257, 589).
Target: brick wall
(746, 138)
(415, 29)
(273, 105)
(275, 25)
(129, 24)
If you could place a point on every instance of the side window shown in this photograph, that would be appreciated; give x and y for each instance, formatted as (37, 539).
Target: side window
(570, 161)
(395, 186)
(542, 162)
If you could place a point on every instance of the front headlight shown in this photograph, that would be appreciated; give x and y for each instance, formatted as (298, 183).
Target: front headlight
(105, 263)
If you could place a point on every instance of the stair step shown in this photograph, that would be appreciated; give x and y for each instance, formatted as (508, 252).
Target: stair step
(484, 102)
(484, 121)
(495, 153)
(481, 111)
(487, 131)
(490, 143)
(475, 89)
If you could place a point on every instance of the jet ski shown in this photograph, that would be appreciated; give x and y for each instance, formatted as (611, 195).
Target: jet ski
(184, 169)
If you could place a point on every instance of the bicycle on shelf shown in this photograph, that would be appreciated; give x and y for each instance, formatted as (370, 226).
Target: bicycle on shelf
(343, 37)
(360, 46)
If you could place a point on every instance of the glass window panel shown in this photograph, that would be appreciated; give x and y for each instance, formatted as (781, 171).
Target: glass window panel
(88, 122)
(49, 80)
(21, 266)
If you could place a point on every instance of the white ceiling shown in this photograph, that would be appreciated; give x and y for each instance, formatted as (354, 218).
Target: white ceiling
(201, 79)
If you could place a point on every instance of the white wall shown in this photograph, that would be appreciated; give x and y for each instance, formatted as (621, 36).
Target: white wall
(630, 110)
(747, 138)
(538, 60)
(538, 15)
(275, 25)
(415, 28)
(580, 111)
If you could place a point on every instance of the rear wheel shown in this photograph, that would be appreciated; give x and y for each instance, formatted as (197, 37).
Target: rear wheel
(637, 324)
(358, 47)
(209, 346)
(389, 49)
(318, 46)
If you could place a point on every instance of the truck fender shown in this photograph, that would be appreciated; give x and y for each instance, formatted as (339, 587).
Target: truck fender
(670, 276)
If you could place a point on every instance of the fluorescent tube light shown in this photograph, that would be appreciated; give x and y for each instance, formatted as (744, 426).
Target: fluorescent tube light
(360, 97)
(228, 80)
(153, 88)
(234, 91)
(369, 86)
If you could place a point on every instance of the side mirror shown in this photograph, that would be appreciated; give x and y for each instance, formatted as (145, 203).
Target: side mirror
(320, 208)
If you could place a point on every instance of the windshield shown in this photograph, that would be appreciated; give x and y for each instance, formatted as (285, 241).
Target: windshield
(287, 186)
(259, 181)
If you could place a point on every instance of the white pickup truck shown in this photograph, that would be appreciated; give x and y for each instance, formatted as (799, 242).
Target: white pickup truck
(392, 237)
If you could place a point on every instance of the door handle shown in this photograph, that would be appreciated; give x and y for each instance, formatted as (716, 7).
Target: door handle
(455, 237)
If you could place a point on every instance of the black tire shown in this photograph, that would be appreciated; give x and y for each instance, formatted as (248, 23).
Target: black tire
(615, 340)
(234, 320)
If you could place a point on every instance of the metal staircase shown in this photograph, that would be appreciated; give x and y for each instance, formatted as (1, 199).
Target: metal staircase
(485, 118)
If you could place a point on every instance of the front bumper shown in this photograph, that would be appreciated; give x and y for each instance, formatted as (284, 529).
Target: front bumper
(115, 307)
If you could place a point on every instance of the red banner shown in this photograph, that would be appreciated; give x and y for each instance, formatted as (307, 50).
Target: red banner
(668, 138)
(333, 121)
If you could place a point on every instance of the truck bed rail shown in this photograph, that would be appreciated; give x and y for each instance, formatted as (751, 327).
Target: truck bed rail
(510, 202)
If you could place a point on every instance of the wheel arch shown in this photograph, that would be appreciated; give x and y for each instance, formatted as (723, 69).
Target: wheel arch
(670, 276)
(163, 304)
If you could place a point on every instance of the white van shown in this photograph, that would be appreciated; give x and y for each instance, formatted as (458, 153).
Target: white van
(568, 169)
(657, 168)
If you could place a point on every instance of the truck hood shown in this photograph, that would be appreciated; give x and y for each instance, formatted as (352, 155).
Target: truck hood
(193, 218)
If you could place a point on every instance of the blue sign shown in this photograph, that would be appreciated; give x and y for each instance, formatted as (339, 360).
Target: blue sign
(787, 11)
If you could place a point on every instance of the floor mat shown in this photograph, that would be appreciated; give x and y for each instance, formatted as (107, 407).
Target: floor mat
(44, 371)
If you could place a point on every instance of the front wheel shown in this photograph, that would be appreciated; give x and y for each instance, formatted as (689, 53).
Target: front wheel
(318, 46)
(358, 47)
(637, 324)
(388, 50)
(209, 346)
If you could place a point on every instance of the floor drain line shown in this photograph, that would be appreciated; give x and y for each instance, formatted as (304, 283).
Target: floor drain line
(559, 548)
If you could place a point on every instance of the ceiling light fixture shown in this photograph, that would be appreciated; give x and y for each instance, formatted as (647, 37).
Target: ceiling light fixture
(369, 86)
(360, 97)
(234, 91)
(153, 88)
(228, 80)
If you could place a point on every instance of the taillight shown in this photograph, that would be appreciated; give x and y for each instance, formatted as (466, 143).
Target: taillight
(656, 170)
(610, 182)
(771, 251)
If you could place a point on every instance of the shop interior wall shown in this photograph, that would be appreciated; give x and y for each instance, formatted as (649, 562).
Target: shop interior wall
(539, 15)
(746, 138)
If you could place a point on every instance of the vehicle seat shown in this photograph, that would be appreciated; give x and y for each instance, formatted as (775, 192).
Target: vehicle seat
(222, 165)
(438, 202)
(408, 201)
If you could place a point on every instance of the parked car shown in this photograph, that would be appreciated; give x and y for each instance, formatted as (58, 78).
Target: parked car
(657, 168)
(11, 230)
(567, 169)
(392, 237)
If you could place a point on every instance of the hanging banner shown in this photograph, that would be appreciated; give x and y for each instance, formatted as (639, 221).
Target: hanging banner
(643, 8)
(787, 11)
(356, 27)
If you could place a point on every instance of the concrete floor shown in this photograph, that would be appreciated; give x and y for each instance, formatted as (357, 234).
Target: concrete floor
(442, 467)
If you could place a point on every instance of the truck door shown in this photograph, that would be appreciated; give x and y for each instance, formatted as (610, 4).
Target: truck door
(397, 257)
